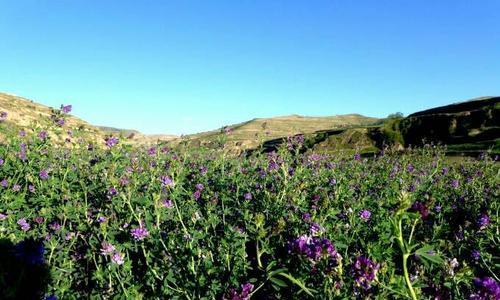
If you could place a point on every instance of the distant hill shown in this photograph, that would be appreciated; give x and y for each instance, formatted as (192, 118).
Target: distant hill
(466, 126)
(251, 134)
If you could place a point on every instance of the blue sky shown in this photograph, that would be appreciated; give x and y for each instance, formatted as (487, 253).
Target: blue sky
(189, 66)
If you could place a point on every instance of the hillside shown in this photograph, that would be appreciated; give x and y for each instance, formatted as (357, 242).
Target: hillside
(251, 134)
(24, 113)
(466, 128)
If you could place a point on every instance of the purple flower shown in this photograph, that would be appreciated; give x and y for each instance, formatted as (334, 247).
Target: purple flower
(66, 108)
(166, 181)
(476, 255)
(139, 233)
(200, 187)
(1, 162)
(107, 248)
(22, 133)
(203, 170)
(365, 214)
(306, 217)
(167, 203)
(112, 192)
(315, 228)
(152, 151)
(16, 188)
(101, 219)
(3, 217)
(44, 174)
(60, 122)
(248, 196)
(420, 208)
(455, 184)
(197, 195)
(111, 141)
(315, 248)
(118, 258)
(3, 116)
(246, 290)
(410, 168)
(364, 272)
(43, 135)
(39, 220)
(55, 226)
(69, 236)
(357, 156)
(25, 226)
(124, 181)
(31, 188)
(483, 221)
(488, 288)
(4, 183)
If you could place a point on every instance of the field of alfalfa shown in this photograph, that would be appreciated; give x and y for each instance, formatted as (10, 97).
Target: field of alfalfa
(91, 220)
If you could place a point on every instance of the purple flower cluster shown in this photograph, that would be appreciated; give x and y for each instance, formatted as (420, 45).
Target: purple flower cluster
(108, 249)
(166, 181)
(66, 108)
(43, 135)
(139, 233)
(167, 203)
(112, 192)
(488, 288)
(55, 226)
(421, 208)
(22, 152)
(365, 214)
(364, 272)
(118, 258)
(111, 141)
(25, 226)
(315, 248)
(483, 221)
(3, 116)
(44, 174)
(233, 294)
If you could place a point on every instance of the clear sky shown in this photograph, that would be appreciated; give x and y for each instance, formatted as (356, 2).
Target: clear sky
(189, 66)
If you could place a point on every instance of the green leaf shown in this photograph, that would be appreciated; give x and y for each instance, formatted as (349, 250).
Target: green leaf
(424, 253)
(298, 283)
(278, 282)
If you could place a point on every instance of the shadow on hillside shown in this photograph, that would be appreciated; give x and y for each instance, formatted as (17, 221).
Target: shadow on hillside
(23, 272)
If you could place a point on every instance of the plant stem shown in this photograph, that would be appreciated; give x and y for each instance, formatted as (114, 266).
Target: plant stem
(407, 277)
